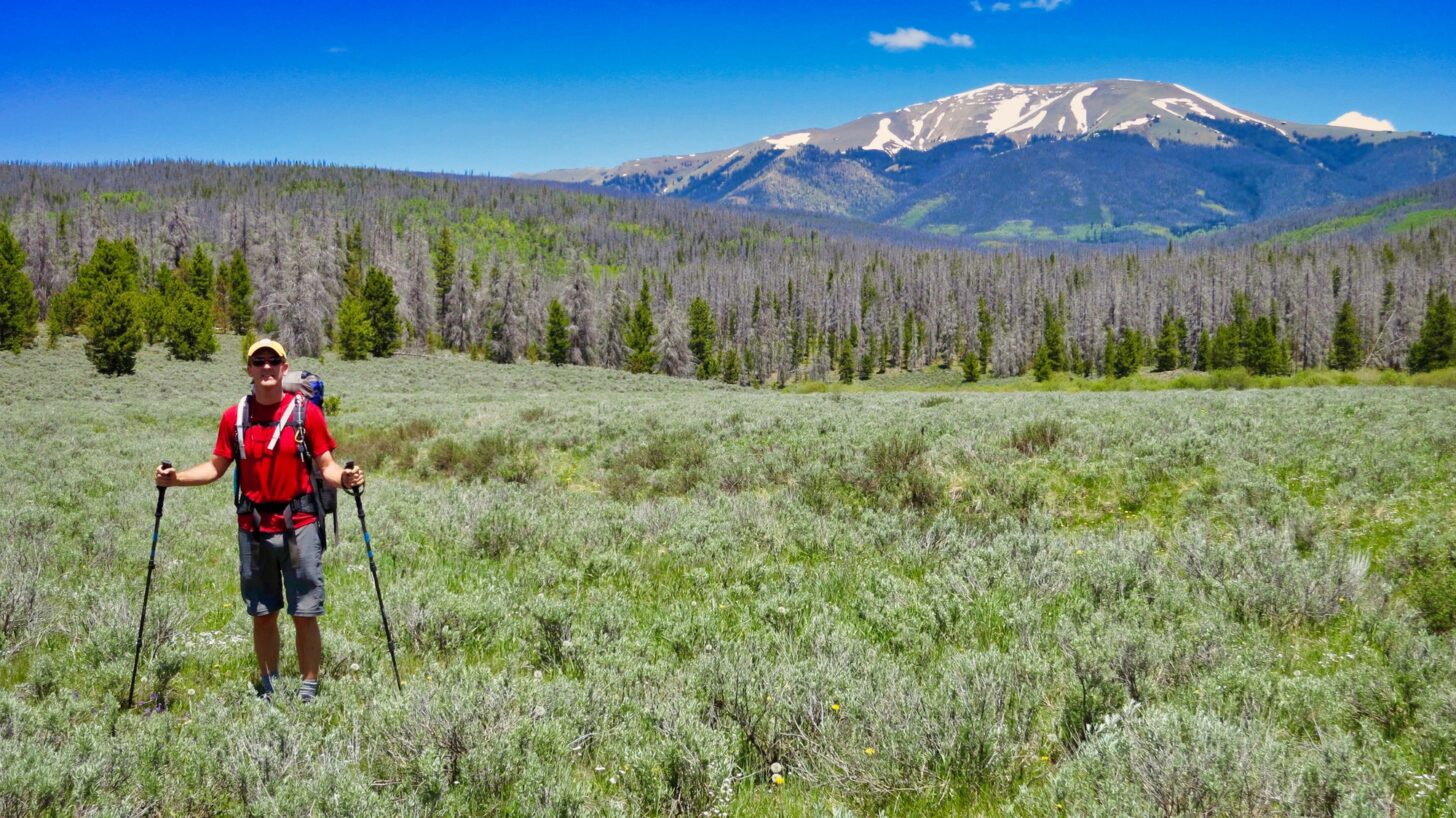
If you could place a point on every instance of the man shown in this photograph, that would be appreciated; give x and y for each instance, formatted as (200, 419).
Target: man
(280, 555)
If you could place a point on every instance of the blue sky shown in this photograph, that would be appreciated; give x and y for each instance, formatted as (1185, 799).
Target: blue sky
(501, 88)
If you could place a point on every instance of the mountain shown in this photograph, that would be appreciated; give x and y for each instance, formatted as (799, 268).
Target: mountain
(1109, 160)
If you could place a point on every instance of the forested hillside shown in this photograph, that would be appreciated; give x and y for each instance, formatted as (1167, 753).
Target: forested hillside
(688, 290)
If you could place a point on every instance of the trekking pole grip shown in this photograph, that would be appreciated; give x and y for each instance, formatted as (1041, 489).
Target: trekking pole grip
(357, 490)
(162, 490)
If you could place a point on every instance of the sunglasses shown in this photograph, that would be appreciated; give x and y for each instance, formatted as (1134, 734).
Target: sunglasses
(261, 362)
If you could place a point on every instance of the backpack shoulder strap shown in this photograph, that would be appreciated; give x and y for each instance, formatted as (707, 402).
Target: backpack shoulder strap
(278, 428)
(295, 419)
(239, 451)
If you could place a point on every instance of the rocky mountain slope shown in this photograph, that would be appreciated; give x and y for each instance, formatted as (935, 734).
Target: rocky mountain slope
(1100, 161)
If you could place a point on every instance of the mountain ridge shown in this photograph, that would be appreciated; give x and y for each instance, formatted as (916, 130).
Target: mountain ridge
(1179, 162)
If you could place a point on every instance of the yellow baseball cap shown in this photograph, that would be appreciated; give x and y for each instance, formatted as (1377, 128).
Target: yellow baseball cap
(267, 343)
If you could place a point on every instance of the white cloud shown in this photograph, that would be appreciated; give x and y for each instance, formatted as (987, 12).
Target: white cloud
(1355, 119)
(336, 49)
(914, 39)
(976, 6)
(1044, 5)
(1000, 6)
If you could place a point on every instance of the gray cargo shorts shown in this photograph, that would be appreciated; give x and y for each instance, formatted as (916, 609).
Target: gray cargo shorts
(266, 573)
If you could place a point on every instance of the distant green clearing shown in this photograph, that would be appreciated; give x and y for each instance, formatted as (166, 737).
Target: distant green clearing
(633, 595)
(1421, 219)
(1017, 230)
(916, 214)
(1343, 223)
(945, 229)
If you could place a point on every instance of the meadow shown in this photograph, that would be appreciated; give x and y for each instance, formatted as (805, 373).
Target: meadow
(621, 594)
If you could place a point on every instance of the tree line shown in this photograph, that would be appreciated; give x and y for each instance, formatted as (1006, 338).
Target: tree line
(367, 261)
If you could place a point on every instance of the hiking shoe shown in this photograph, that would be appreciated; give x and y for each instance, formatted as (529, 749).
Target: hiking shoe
(308, 691)
(264, 688)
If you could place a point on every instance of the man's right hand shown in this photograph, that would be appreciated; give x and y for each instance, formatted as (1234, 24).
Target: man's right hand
(166, 476)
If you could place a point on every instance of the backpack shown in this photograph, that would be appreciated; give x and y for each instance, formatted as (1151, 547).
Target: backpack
(325, 499)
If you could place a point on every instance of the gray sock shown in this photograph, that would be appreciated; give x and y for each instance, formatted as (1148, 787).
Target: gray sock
(308, 691)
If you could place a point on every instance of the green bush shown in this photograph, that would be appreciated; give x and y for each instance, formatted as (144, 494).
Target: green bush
(1425, 562)
(1039, 436)
(1235, 378)
(492, 456)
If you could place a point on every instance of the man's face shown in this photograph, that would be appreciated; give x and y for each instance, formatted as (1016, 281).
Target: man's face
(266, 368)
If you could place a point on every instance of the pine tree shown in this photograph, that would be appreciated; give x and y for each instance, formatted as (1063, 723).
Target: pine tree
(846, 362)
(354, 261)
(240, 293)
(380, 307)
(1345, 349)
(640, 334)
(197, 271)
(443, 263)
(113, 329)
(907, 341)
(558, 337)
(187, 329)
(354, 337)
(1241, 331)
(1127, 354)
(970, 367)
(64, 314)
(1053, 339)
(867, 360)
(1436, 346)
(1041, 364)
(703, 333)
(1169, 345)
(1265, 355)
(985, 334)
(730, 365)
(18, 306)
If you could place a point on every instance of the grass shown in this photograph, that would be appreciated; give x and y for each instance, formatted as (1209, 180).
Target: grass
(937, 380)
(632, 595)
(1343, 223)
(1420, 219)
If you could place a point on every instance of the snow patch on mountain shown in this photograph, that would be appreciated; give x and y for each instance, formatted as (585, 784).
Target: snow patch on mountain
(1132, 123)
(1242, 117)
(1079, 108)
(1355, 119)
(787, 141)
(1007, 113)
(885, 139)
(971, 94)
(1029, 124)
(1167, 105)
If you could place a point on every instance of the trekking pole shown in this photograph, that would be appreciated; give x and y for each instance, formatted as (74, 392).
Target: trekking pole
(147, 595)
(358, 492)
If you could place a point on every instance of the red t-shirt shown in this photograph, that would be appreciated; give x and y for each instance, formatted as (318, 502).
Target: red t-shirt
(280, 475)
